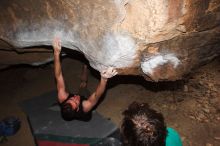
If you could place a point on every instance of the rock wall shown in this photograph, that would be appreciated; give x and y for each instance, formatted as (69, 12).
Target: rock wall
(160, 40)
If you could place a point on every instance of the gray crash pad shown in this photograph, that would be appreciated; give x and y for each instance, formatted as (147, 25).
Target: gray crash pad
(45, 119)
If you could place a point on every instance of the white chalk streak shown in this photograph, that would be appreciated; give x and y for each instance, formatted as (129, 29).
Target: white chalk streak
(149, 64)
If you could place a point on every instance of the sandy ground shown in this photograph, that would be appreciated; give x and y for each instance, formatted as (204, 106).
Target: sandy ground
(191, 106)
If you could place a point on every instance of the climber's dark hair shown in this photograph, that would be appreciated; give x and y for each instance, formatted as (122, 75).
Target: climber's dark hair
(68, 113)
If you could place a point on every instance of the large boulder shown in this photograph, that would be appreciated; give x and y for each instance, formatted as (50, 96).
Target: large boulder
(158, 39)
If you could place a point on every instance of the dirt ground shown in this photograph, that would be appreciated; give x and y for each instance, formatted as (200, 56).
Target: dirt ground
(191, 106)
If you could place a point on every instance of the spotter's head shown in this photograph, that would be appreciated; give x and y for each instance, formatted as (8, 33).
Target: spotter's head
(142, 126)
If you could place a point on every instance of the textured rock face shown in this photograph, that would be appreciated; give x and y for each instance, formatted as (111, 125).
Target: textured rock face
(161, 40)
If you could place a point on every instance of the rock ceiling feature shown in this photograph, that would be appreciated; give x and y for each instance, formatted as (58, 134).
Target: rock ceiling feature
(158, 39)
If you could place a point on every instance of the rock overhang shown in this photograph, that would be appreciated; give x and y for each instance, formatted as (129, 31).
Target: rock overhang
(119, 33)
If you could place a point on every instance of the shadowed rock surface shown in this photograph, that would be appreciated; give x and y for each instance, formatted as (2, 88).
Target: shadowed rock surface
(160, 40)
